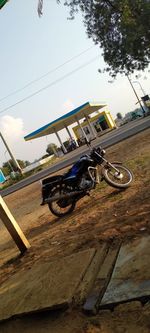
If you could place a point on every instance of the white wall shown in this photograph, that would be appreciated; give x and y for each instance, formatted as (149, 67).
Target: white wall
(37, 164)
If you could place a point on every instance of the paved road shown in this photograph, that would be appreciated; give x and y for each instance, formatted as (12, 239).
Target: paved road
(106, 140)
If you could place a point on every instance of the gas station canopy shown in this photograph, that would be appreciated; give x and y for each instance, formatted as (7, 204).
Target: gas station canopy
(65, 120)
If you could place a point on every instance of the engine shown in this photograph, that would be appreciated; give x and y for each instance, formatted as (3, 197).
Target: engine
(85, 182)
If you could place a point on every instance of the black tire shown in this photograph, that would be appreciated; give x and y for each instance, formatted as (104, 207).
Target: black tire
(113, 179)
(55, 207)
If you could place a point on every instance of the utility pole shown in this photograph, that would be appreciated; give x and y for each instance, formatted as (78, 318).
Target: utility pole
(143, 92)
(11, 154)
(136, 94)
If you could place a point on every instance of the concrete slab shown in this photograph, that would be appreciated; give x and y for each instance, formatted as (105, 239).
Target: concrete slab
(131, 275)
(102, 279)
(91, 273)
(45, 286)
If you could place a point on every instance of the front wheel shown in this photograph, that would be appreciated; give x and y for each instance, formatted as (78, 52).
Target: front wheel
(117, 175)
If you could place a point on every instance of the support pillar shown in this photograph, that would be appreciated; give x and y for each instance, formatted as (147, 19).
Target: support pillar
(91, 127)
(11, 154)
(84, 135)
(13, 227)
(67, 129)
(61, 143)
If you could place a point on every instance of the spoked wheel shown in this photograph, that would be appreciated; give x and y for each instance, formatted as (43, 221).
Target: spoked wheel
(117, 175)
(61, 207)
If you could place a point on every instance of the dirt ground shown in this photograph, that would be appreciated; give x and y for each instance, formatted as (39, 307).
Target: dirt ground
(107, 214)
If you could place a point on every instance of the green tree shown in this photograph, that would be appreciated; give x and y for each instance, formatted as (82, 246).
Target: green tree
(51, 149)
(119, 115)
(2, 3)
(120, 27)
(9, 166)
(44, 156)
(27, 163)
(6, 170)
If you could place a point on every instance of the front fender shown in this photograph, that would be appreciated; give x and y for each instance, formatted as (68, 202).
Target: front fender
(106, 166)
(116, 162)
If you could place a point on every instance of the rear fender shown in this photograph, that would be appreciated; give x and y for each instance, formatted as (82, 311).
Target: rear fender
(48, 184)
(50, 180)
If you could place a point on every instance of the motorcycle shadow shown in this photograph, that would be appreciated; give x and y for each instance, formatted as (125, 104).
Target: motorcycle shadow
(115, 193)
(79, 209)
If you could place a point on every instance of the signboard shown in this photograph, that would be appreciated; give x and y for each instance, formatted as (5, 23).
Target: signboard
(146, 100)
(2, 177)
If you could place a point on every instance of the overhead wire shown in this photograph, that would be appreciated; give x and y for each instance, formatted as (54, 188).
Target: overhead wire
(44, 75)
(49, 85)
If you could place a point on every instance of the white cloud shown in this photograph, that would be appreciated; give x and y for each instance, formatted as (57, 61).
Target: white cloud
(68, 106)
(13, 131)
(12, 128)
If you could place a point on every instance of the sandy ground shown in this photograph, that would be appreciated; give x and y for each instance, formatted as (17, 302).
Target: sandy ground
(107, 214)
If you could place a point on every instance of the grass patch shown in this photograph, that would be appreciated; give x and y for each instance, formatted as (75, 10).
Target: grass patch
(100, 186)
(142, 162)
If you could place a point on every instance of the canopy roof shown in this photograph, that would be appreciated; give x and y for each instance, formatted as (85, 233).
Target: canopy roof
(65, 120)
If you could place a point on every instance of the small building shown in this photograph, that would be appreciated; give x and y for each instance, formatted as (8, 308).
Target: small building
(2, 177)
(146, 101)
(95, 125)
(37, 164)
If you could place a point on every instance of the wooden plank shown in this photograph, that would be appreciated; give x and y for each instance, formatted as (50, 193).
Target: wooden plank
(13, 227)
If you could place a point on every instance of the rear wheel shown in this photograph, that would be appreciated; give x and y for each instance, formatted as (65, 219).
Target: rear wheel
(120, 178)
(61, 207)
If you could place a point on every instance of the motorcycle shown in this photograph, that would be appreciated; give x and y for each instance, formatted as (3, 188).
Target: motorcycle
(61, 192)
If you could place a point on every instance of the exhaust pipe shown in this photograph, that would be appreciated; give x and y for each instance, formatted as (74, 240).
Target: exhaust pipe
(63, 196)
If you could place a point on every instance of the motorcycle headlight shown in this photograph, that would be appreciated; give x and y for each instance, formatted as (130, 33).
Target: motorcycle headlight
(103, 152)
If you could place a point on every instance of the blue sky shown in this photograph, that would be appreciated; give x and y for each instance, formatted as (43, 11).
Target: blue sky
(32, 46)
